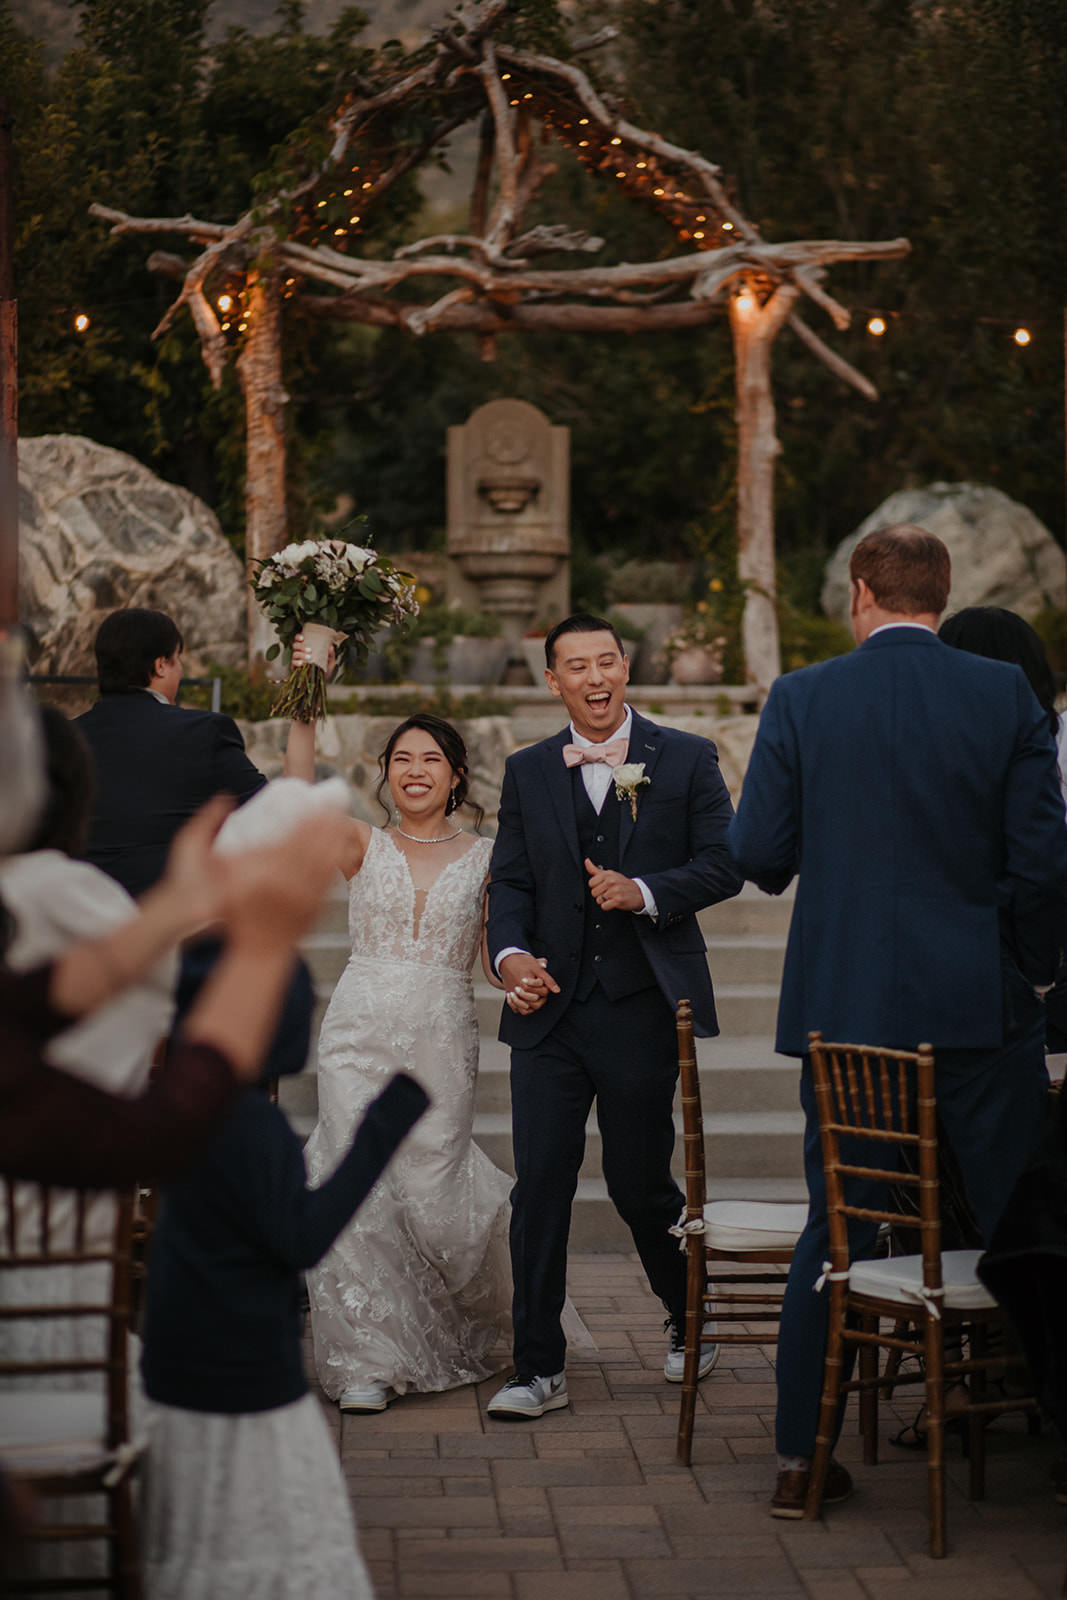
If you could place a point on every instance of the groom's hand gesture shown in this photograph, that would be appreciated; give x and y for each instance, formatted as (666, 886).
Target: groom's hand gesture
(612, 891)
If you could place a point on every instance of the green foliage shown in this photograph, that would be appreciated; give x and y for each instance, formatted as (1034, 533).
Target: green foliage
(445, 623)
(454, 708)
(246, 695)
(440, 624)
(866, 119)
(627, 630)
(856, 119)
(638, 582)
(143, 118)
(1051, 628)
(806, 638)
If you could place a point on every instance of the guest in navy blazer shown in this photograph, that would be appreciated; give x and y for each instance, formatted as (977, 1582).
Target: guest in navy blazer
(914, 790)
(154, 762)
(592, 927)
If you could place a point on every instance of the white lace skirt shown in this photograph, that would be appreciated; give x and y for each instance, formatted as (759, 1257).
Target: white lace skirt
(416, 1291)
(248, 1507)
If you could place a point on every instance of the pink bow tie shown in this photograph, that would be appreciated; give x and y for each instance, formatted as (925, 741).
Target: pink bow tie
(614, 753)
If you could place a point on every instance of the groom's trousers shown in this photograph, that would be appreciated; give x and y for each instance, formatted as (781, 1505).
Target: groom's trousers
(624, 1054)
(992, 1106)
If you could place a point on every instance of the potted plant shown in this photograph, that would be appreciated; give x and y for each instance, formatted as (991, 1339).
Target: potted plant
(450, 644)
(629, 631)
(695, 649)
(533, 642)
(651, 596)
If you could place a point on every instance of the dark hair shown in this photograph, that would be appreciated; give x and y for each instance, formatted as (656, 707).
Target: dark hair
(452, 748)
(581, 622)
(64, 822)
(907, 570)
(129, 643)
(1002, 636)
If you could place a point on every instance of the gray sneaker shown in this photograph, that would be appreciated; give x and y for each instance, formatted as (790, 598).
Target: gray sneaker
(521, 1400)
(674, 1366)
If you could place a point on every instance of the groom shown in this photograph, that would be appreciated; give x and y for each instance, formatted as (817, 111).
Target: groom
(612, 837)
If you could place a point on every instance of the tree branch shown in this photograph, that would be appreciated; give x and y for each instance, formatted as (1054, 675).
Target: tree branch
(503, 216)
(837, 364)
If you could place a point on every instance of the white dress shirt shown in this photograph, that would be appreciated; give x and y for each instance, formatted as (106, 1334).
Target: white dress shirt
(598, 780)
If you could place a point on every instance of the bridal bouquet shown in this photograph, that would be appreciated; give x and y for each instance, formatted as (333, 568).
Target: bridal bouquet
(330, 591)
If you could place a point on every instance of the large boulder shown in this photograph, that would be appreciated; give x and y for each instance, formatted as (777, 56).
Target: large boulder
(97, 530)
(1001, 554)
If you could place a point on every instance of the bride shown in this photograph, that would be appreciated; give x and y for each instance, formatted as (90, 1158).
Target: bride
(416, 1291)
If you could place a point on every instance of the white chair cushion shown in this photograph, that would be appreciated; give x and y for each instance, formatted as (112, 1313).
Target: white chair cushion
(742, 1225)
(51, 1432)
(899, 1278)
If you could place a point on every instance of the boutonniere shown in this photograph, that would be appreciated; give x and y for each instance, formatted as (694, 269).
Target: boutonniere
(628, 779)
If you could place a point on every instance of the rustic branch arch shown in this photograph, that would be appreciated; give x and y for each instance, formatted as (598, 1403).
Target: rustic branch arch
(487, 281)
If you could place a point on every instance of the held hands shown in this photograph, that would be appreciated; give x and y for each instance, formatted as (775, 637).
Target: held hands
(612, 891)
(528, 983)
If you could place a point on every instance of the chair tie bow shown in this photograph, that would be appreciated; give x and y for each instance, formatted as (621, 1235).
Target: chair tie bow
(828, 1275)
(682, 1229)
(930, 1298)
(613, 753)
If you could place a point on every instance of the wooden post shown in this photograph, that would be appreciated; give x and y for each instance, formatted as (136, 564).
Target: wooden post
(9, 465)
(259, 368)
(754, 327)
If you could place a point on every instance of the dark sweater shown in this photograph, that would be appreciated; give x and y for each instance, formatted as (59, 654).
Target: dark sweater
(222, 1325)
(55, 1128)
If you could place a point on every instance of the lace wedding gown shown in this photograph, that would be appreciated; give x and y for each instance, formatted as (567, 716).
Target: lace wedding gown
(417, 1289)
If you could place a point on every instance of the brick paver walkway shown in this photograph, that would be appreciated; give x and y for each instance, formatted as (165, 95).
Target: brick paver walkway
(588, 1504)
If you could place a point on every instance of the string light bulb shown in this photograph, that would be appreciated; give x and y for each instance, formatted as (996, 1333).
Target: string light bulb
(82, 323)
(225, 302)
(744, 302)
(1021, 336)
(876, 326)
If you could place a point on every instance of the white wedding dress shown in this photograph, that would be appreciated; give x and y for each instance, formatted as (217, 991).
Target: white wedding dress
(416, 1291)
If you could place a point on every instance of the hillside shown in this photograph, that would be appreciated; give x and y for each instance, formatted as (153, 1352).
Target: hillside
(57, 20)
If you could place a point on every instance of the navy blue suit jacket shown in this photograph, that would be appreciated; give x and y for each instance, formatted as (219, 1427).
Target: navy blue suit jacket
(154, 766)
(677, 845)
(914, 789)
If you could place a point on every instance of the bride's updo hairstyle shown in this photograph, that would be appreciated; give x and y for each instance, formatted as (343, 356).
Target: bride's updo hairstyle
(454, 751)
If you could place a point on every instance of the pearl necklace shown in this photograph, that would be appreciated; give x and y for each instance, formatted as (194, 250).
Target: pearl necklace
(414, 837)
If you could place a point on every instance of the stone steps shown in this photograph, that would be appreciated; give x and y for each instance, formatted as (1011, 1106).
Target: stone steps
(753, 1125)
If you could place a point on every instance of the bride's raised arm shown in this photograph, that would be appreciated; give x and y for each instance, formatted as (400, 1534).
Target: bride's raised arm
(300, 763)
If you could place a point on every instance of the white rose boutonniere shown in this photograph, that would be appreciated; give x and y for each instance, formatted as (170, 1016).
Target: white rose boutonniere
(628, 779)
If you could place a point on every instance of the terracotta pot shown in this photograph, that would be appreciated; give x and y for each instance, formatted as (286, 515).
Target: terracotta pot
(697, 663)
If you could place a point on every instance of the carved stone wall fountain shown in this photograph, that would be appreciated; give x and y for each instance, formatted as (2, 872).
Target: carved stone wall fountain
(508, 516)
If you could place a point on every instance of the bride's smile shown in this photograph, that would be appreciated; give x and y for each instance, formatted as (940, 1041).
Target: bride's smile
(420, 777)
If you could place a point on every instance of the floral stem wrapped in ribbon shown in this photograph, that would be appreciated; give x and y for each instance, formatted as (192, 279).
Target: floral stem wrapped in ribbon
(331, 592)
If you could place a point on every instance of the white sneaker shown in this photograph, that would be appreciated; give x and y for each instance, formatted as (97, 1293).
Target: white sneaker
(674, 1366)
(370, 1396)
(518, 1400)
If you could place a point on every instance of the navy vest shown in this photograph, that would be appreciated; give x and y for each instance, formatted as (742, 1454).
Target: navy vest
(611, 951)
